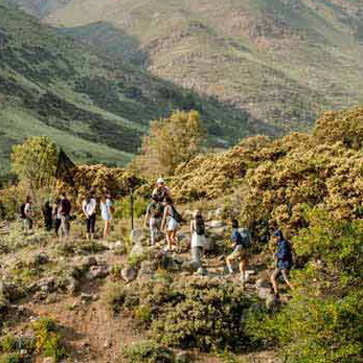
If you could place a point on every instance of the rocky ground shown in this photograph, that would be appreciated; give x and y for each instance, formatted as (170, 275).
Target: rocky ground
(42, 277)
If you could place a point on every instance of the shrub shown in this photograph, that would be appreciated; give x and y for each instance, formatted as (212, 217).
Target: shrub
(149, 352)
(115, 297)
(48, 339)
(10, 358)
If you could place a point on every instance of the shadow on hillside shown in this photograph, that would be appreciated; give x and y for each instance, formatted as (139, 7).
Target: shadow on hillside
(105, 37)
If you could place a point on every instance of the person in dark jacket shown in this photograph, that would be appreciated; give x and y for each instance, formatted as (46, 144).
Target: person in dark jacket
(283, 257)
(48, 216)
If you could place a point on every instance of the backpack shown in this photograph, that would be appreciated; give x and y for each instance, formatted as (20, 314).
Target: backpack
(160, 194)
(22, 211)
(199, 226)
(155, 210)
(245, 236)
(176, 215)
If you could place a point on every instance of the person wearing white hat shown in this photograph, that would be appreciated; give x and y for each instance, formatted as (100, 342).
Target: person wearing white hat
(161, 191)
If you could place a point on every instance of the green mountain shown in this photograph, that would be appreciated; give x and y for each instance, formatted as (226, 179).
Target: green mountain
(284, 61)
(95, 104)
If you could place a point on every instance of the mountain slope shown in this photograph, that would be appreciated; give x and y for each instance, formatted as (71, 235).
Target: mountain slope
(284, 61)
(52, 84)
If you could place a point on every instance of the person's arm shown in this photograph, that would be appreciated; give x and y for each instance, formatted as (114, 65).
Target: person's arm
(164, 217)
(84, 205)
(147, 216)
(27, 210)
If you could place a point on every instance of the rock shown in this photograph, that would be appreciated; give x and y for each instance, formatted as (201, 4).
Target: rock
(129, 274)
(48, 360)
(217, 224)
(98, 272)
(188, 214)
(107, 344)
(47, 284)
(147, 269)
(23, 352)
(262, 283)
(218, 232)
(218, 212)
(72, 285)
(11, 291)
(184, 357)
(209, 216)
(264, 292)
(41, 259)
(209, 245)
(191, 266)
(137, 236)
(85, 298)
(137, 250)
(89, 262)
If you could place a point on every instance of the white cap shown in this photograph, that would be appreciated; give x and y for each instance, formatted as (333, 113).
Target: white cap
(160, 181)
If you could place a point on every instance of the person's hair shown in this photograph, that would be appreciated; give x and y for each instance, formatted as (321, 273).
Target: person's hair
(235, 223)
(28, 199)
(168, 200)
(197, 214)
(154, 197)
(63, 194)
(278, 233)
(88, 197)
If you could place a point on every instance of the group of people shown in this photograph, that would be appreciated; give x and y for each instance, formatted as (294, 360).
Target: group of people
(162, 218)
(59, 217)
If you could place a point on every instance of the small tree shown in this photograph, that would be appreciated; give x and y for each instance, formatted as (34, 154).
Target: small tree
(171, 141)
(35, 162)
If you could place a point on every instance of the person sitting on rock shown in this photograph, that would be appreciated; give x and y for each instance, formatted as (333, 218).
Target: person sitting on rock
(241, 242)
(284, 261)
(161, 191)
(198, 239)
(153, 217)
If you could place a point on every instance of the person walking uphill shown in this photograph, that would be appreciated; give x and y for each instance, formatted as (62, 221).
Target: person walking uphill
(65, 215)
(161, 191)
(26, 214)
(170, 223)
(198, 239)
(284, 261)
(89, 209)
(241, 243)
(154, 214)
(106, 213)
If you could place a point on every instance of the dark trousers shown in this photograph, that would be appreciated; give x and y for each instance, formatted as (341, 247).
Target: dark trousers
(91, 223)
(57, 224)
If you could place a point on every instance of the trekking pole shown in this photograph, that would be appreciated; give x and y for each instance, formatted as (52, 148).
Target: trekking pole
(132, 208)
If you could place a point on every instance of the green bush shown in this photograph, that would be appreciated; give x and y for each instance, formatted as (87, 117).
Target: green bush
(149, 352)
(115, 297)
(123, 207)
(10, 358)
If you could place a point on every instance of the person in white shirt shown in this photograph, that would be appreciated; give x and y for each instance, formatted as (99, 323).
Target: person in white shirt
(28, 214)
(198, 238)
(89, 209)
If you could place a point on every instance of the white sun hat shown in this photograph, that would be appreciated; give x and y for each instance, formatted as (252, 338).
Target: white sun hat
(160, 181)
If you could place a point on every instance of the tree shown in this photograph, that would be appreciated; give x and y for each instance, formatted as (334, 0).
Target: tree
(35, 162)
(171, 141)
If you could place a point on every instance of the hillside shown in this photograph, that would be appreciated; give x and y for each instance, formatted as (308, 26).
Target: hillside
(284, 61)
(96, 106)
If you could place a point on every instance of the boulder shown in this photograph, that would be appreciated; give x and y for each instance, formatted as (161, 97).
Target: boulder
(72, 285)
(11, 291)
(210, 245)
(218, 212)
(89, 262)
(137, 236)
(191, 266)
(202, 271)
(47, 285)
(264, 293)
(217, 224)
(98, 272)
(147, 269)
(188, 215)
(262, 283)
(137, 249)
(129, 273)
(209, 216)
(40, 259)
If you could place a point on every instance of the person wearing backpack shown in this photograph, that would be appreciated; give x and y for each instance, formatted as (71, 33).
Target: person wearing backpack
(171, 222)
(161, 191)
(57, 216)
(241, 241)
(198, 239)
(154, 214)
(284, 261)
(89, 209)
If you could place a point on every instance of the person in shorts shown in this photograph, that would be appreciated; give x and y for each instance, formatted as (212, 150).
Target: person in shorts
(284, 261)
(89, 209)
(170, 223)
(240, 241)
(198, 238)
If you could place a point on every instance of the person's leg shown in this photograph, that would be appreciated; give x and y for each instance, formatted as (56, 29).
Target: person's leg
(242, 269)
(274, 277)
(88, 228)
(230, 260)
(285, 275)
(105, 230)
(152, 226)
(109, 228)
(57, 226)
(63, 226)
(173, 239)
(93, 226)
(168, 240)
